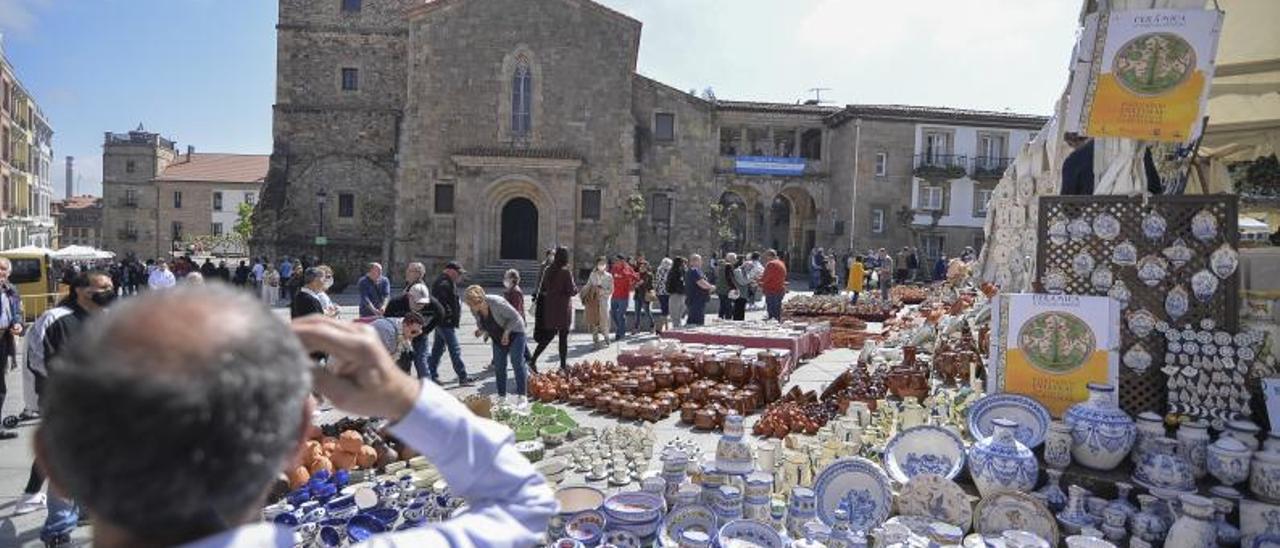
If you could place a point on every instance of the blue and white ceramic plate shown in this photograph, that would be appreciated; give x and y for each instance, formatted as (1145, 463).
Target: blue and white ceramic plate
(858, 485)
(697, 517)
(1032, 418)
(924, 449)
(745, 533)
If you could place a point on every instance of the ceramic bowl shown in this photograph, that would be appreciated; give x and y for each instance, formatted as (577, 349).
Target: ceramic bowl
(578, 498)
(644, 531)
(554, 435)
(743, 533)
(531, 450)
(387, 516)
(526, 433)
(568, 543)
(924, 449)
(693, 518)
(633, 507)
(586, 527)
(363, 526)
(621, 539)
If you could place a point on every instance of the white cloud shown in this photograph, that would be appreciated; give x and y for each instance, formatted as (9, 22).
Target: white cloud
(19, 16)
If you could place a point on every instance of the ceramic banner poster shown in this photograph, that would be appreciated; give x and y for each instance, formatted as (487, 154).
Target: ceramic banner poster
(1049, 347)
(1148, 76)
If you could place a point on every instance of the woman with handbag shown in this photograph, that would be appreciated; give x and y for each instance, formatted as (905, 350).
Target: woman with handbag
(553, 304)
(596, 301)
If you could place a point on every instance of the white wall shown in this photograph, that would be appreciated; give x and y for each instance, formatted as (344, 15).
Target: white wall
(960, 192)
(966, 138)
(232, 197)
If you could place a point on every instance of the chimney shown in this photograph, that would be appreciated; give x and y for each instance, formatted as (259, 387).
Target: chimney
(71, 182)
(191, 151)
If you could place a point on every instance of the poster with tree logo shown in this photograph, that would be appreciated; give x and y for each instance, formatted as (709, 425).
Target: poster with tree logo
(1049, 347)
(1145, 74)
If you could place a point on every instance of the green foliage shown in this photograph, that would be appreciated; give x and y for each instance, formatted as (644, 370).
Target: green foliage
(722, 221)
(1260, 177)
(244, 221)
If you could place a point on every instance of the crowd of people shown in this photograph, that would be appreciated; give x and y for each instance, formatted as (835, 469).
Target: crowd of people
(878, 270)
(414, 326)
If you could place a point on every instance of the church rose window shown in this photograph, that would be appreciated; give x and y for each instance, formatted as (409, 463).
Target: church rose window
(522, 99)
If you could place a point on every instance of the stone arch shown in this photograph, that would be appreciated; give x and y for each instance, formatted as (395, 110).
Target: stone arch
(801, 228)
(497, 195)
(521, 56)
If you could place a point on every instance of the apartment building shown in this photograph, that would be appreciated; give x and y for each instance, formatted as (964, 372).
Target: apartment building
(26, 157)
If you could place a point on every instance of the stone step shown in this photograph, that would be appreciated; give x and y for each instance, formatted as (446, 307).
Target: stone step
(490, 275)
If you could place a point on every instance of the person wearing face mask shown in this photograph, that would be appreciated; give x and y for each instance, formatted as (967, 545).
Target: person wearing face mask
(596, 300)
(91, 292)
(307, 301)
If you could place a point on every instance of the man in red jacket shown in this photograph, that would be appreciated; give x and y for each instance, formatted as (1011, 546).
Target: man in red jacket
(623, 280)
(774, 284)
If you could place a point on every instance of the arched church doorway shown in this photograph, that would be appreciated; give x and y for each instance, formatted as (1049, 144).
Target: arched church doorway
(519, 230)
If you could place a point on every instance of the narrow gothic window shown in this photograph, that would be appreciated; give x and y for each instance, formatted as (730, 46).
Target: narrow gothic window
(522, 99)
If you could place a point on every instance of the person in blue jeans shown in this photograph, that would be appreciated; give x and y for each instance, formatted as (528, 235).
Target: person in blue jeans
(499, 322)
(698, 291)
(445, 291)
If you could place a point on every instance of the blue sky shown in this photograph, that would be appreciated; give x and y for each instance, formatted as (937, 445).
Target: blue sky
(202, 72)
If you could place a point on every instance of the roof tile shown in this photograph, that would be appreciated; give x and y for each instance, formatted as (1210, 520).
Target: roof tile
(218, 168)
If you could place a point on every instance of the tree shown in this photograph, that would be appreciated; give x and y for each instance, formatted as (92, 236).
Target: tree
(244, 220)
(722, 220)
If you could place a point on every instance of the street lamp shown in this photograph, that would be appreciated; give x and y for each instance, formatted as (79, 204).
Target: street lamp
(321, 198)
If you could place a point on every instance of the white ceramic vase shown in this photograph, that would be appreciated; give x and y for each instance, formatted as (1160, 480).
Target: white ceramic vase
(1000, 463)
(1102, 433)
(1195, 529)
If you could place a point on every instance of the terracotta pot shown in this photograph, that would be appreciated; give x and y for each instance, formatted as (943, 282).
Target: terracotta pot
(602, 402)
(737, 371)
(647, 385)
(757, 401)
(705, 419)
(663, 378)
(688, 412)
(630, 409)
(617, 404)
(698, 392)
(712, 369)
(908, 383)
(682, 375)
(577, 397)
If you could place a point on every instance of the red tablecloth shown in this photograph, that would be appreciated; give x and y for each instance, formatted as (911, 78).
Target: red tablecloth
(798, 346)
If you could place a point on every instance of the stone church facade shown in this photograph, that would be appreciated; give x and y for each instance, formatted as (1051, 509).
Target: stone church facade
(488, 130)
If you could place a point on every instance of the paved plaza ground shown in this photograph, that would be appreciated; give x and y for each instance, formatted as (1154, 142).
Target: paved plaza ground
(16, 455)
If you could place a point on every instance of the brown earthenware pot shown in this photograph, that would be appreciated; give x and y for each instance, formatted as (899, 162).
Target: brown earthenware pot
(705, 419)
(688, 412)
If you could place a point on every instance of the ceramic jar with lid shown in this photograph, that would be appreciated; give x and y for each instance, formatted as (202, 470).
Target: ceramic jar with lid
(1264, 476)
(1001, 463)
(1245, 431)
(1057, 445)
(1227, 460)
(1163, 467)
(1193, 442)
(1102, 433)
(1149, 425)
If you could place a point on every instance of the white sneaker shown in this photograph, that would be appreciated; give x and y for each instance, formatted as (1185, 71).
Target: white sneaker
(522, 402)
(30, 502)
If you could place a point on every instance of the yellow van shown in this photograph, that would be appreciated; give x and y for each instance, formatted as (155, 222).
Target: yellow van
(33, 274)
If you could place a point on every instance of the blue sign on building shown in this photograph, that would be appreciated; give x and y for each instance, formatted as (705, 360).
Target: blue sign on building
(769, 165)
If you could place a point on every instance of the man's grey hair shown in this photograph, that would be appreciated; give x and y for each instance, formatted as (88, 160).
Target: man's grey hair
(171, 430)
(313, 273)
(513, 275)
(371, 266)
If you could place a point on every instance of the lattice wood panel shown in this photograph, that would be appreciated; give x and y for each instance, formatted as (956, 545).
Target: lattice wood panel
(1145, 392)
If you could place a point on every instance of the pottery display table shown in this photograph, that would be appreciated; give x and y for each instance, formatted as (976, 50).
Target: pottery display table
(802, 342)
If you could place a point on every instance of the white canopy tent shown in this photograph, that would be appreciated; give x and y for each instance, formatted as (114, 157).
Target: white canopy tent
(81, 253)
(29, 250)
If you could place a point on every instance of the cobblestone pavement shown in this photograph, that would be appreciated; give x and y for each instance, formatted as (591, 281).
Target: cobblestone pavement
(16, 454)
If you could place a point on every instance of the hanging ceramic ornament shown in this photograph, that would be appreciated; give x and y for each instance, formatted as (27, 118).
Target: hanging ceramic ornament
(1106, 226)
(1178, 253)
(1141, 323)
(1082, 264)
(1152, 270)
(1120, 292)
(1204, 284)
(1054, 281)
(1153, 226)
(1224, 261)
(1079, 229)
(1177, 302)
(1101, 278)
(1137, 359)
(1058, 230)
(1204, 226)
(1124, 254)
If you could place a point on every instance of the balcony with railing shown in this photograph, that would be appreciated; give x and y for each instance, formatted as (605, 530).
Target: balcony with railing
(127, 235)
(126, 202)
(990, 166)
(949, 166)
